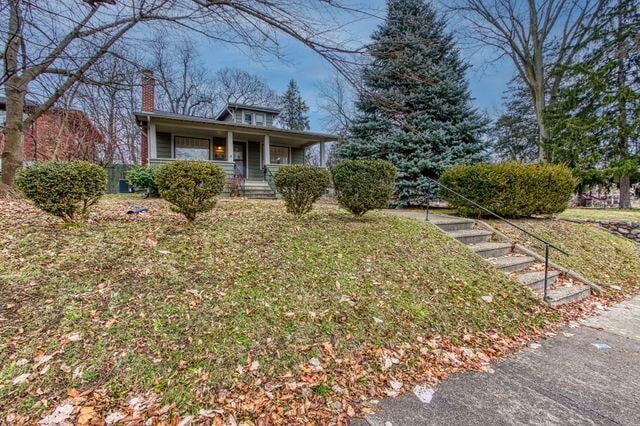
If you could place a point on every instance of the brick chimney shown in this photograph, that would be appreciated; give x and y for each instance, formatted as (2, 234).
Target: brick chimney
(148, 91)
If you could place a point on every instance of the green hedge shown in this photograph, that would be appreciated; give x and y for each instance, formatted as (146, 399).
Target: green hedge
(142, 177)
(363, 185)
(510, 189)
(301, 186)
(63, 188)
(191, 186)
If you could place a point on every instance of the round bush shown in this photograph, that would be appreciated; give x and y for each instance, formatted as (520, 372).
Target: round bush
(301, 186)
(63, 188)
(363, 185)
(142, 177)
(191, 186)
(510, 189)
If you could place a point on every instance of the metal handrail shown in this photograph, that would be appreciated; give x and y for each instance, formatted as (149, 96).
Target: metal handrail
(268, 176)
(239, 178)
(547, 244)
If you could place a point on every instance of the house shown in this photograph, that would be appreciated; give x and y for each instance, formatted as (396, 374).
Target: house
(242, 139)
(57, 134)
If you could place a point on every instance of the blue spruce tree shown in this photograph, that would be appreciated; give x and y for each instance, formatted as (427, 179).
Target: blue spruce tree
(415, 107)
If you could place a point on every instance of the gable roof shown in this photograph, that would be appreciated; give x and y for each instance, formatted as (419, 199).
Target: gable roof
(232, 105)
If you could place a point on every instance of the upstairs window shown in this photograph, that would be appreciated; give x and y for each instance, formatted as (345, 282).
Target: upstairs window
(191, 148)
(248, 118)
(259, 119)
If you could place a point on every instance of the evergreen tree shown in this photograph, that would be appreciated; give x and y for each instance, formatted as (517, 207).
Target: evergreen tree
(414, 109)
(596, 118)
(516, 130)
(295, 112)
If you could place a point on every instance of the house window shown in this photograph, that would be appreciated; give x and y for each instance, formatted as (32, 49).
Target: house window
(259, 119)
(279, 154)
(219, 150)
(191, 148)
(248, 118)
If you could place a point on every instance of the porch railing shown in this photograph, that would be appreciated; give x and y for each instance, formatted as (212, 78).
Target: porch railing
(268, 177)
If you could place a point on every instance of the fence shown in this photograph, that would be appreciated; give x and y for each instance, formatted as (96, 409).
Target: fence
(115, 172)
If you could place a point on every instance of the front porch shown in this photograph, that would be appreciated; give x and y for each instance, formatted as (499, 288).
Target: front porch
(247, 152)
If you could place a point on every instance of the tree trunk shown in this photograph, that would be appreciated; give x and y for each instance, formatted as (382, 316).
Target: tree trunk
(623, 128)
(543, 132)
(15, 91)
(12, 156)
(625, 189)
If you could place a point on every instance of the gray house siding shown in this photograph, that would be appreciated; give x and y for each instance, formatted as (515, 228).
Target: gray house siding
(297, 155)
(163, 145)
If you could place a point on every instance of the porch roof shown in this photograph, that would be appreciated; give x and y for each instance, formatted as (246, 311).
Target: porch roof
(208, 124)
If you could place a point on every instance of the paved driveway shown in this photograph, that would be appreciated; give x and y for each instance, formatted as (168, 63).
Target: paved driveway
(584, 375)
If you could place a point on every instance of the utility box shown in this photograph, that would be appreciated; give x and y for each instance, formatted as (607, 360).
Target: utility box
(123, 186)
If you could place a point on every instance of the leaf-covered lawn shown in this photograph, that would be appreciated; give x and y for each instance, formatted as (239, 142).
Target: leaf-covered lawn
(604, 258)
(630, 215)
(246, 312)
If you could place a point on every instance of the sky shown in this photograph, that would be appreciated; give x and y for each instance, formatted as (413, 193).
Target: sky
(487, 79)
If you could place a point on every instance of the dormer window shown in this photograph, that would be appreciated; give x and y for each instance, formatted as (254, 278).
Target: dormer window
(248, 118)
(259, 119)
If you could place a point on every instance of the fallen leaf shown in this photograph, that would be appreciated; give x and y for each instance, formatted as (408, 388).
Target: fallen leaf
(21, 379)
(87, 416)
(59, 416)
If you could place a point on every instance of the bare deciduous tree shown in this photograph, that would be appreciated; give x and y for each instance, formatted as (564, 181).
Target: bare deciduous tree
(185, 85)
(233, 85)
(541, 37)
(337, 101)
(110, 105)
(59, 42)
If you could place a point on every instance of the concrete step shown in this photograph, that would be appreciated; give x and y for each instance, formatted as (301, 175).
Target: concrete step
(535, 280)
(471, 236)
(487, 250)
(259, 193)
(452, 224)
(564, 295)
(256, 185)
(512, 263)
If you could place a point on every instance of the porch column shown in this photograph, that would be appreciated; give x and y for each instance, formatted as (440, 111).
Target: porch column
(153, 146)
(229, 146)
(323, 160)
(266, 155)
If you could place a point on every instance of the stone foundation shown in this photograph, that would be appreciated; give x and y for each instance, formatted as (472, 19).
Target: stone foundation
(630, 230)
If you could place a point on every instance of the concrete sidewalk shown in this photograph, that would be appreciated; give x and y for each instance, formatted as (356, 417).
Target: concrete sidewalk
(568, 380)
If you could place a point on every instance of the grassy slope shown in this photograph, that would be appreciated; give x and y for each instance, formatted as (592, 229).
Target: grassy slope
(597, 254)
(604, 214)
(168, 307)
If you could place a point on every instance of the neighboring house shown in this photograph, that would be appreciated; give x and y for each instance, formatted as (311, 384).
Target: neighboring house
(58, 134)
(241, 139)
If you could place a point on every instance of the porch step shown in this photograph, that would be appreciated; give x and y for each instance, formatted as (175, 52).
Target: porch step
(488, 250)
(452, 224)
(512, 263)
(471, 236)
(535, 280)
(564, 295)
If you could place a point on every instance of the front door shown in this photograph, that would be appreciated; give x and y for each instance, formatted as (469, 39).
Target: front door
(240, 159)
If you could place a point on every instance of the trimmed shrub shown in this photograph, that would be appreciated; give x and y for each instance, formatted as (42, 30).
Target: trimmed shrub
(191, 186)
(63, 188)
(363, 185)
(510, 189)
(142, 177)
(301, 186)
